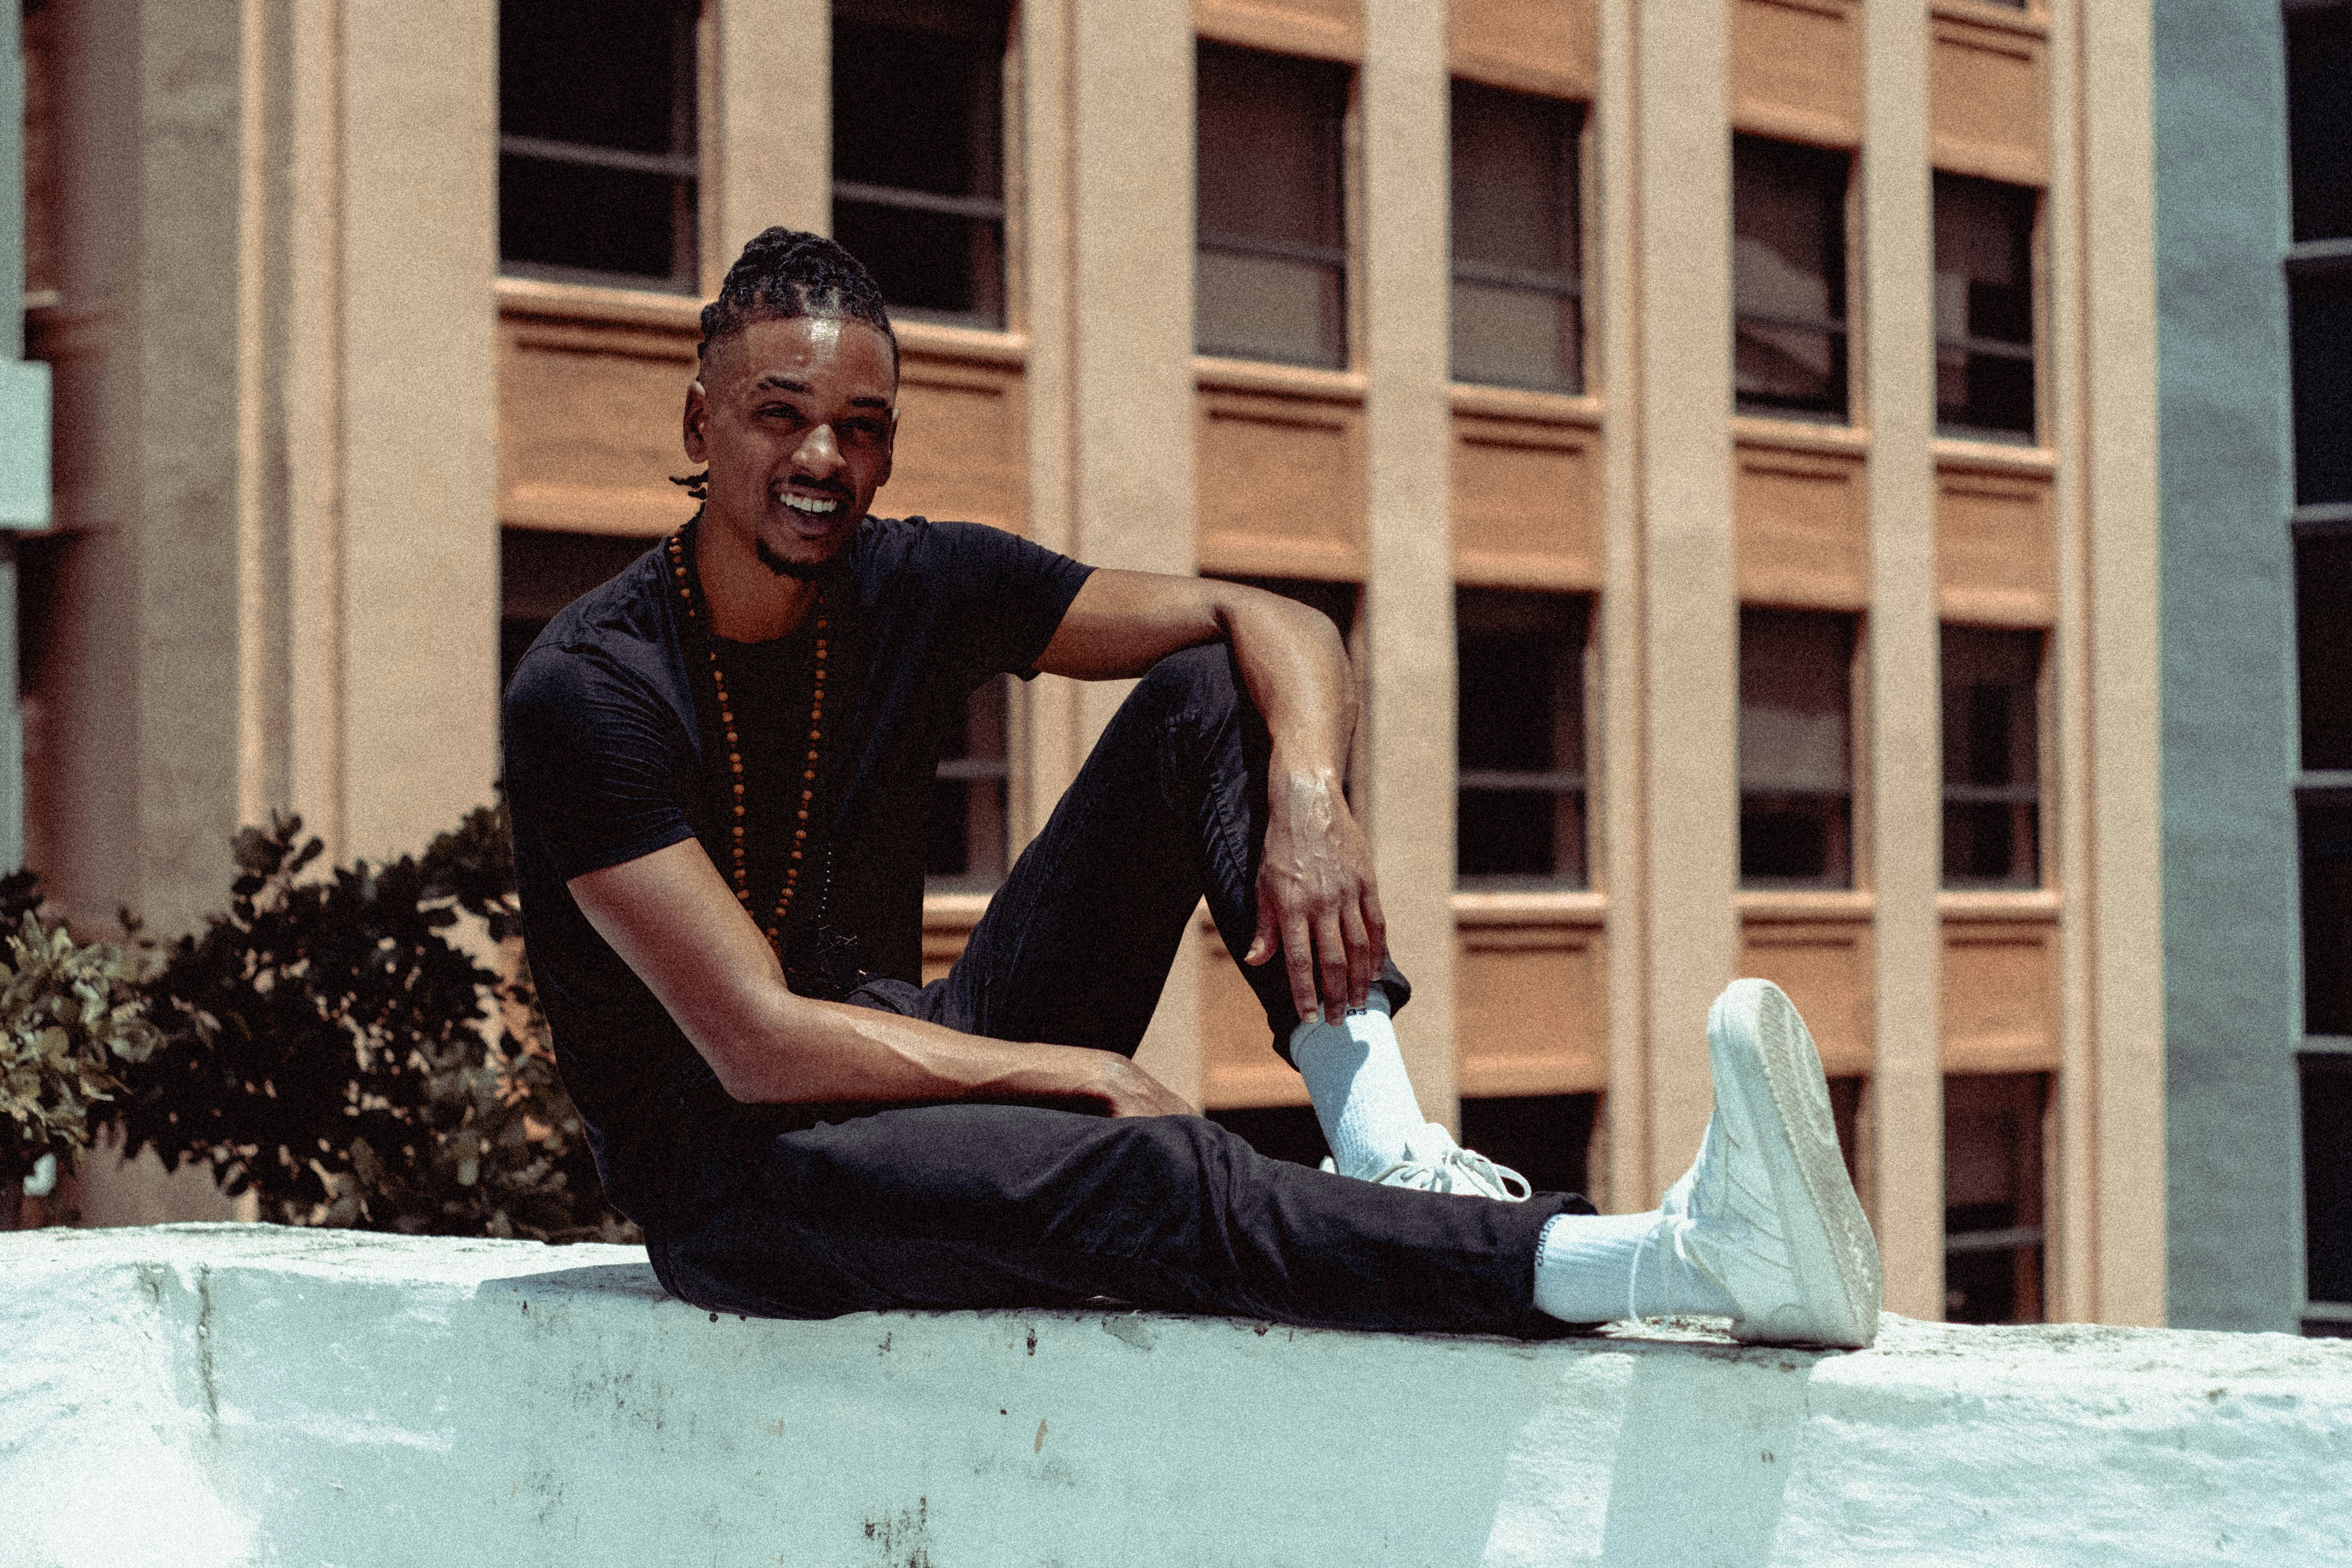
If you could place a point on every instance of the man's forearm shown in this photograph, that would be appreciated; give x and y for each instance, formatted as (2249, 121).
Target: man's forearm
(1296, 671)
(807, 1052)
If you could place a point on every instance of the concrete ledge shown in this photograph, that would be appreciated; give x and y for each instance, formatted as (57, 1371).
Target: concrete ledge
(194, 1395)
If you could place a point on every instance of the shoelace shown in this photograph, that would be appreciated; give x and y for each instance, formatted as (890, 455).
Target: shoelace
(1677, 1225)
(1458, 1170)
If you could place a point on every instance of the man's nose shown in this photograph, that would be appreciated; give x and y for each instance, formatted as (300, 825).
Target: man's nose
(819, 453)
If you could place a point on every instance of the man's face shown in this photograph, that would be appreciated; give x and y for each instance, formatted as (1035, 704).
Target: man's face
(796, 419)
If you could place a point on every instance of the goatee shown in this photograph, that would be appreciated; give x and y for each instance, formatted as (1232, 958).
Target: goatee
(800, 572)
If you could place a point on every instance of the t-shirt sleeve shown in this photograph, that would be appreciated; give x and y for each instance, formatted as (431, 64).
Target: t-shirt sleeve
(598, 769)
(1014, 595)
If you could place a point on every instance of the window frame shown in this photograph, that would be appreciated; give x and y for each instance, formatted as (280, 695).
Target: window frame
(1000, 209)
(2039, 793)
(1841, 875)
(2029, 243)
(1840, 330)
(1338, 258)
(1572, 286)
(1578, 669)
(684, 169)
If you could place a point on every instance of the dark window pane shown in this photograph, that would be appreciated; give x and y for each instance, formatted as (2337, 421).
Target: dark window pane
(2319, 119)
(1519, 737)
(1788, 275)
(1993, 1197)
(610, 221)
(602, 72)
(2323, 622)
(2322, 317)
(539, 573)
(2327, 1177)
(2326, 825)
(1796, 754)
(1992, 757)
(1271, 278)
(596, 169)
(937, 265)
(1517, 319)
(1546, 1137)
(968, 846)
(918, 111)
(1984, 306)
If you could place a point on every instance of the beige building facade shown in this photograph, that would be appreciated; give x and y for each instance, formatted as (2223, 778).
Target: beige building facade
(1815, 445)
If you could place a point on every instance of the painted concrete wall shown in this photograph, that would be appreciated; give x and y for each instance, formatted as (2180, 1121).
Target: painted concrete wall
(2232, 932)
(210, 1395)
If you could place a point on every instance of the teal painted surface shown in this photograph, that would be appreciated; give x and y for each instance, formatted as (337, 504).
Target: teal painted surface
(24, 444)
(2233, 931)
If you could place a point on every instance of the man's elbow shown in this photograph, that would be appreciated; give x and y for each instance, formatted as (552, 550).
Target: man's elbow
(749, 1053)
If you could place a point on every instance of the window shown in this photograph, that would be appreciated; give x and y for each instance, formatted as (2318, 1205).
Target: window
(1788, 279)
(1993, 1132)
(539, 573)
(1519, 817)
(1984, 307)
(919, 153)
(1992, 758)
(1546, 1138)
(2328, 1191)
(1517, 316)
(970, 796)
(1796, 749)
(2319, 264)
(1270, 279)
(597, 176)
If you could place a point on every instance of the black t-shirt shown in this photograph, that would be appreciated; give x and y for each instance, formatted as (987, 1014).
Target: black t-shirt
(610, 716)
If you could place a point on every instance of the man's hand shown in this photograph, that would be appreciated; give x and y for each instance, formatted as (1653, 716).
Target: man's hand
(1126, 1089)
(1316, 901)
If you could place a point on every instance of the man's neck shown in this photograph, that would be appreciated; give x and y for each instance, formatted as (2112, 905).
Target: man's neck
(748, 602)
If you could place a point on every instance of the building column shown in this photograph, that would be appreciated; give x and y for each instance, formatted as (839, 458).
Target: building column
(1905, 801)
(2118, 505)
(1409, 609)
(767, 95)
(1118, 385)
(1680, 447)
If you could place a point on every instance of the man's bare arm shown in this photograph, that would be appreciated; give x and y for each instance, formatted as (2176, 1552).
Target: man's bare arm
(1317, 903)
(672, 920)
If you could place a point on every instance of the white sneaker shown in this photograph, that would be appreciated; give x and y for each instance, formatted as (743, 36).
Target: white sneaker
(1434, 1163)
(1766, 1210)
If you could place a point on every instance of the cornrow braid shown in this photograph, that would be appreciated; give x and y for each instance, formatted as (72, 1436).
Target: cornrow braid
(784, 273)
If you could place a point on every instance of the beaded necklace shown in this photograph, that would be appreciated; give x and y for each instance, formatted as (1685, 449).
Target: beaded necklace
(741, 864)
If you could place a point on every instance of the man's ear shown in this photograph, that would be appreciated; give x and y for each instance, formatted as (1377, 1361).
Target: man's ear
(697, 412)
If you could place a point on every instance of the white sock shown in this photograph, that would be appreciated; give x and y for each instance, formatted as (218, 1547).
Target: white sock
(1584, 1271)
(1356, 1077)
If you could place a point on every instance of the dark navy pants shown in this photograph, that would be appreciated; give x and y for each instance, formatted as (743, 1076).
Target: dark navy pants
(812, 1211)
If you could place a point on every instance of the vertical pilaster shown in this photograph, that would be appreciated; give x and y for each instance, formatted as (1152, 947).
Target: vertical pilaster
(1905, 807)
(419, 406)
(2119, 505)
(772, 97)
(1690, 629)
(1624, 807)
(1410, 613)
(1128, 414)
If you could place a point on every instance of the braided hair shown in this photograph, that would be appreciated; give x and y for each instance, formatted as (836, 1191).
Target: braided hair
(784, 273)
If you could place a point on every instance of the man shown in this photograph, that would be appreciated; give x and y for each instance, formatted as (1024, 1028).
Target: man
(718, 766)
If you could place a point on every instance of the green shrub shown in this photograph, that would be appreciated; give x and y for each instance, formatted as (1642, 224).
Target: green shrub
(69, 1022)
(328, 1047)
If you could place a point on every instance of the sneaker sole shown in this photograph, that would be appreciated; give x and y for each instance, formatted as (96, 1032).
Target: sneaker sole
(1754, 1033)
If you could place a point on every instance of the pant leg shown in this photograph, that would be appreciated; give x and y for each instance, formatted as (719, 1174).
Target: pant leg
(1171, 806)
(991, 1206)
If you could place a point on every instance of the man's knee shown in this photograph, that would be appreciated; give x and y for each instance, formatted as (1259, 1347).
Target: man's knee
(1201, 677)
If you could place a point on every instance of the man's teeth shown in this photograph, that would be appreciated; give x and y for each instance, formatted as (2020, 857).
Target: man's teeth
(810, 505)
